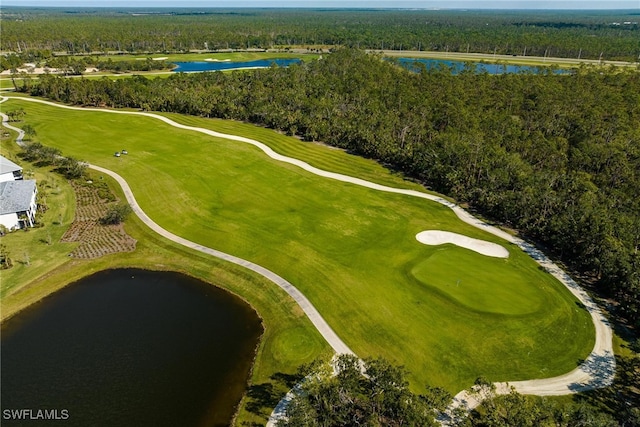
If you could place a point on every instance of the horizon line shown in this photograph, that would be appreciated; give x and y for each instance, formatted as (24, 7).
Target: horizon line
(318, 7)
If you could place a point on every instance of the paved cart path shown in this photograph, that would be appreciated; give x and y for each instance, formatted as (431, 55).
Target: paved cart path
(5, 123)
(596, 371)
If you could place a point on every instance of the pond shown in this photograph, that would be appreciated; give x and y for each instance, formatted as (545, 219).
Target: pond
(414, 64)
(129, 347)
(189, 67)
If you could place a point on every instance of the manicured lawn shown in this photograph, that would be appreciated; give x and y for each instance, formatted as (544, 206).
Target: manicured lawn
(316, 154)
(6, 83)
(351, 250)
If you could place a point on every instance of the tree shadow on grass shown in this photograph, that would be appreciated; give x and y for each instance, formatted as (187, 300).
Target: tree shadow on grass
(262, 398)
(288, 380)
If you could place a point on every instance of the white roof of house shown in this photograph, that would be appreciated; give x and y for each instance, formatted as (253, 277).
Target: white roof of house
(7, 166)
(16, 196)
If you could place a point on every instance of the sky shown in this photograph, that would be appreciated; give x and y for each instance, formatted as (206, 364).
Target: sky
(421, 4)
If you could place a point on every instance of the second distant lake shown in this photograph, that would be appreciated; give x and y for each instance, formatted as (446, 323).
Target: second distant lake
(456, 67)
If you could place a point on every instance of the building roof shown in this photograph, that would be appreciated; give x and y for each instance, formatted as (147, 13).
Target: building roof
(7, 166)
(16, 196)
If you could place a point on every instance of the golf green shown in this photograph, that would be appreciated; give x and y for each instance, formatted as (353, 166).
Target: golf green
(351, 250)
(491, 285)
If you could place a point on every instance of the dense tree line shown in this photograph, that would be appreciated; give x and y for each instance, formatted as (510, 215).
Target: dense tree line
(617, 405)
(42, 155)
(555, 156)
(516, 410)
(586, 34)
(375, 392)
(368, 393)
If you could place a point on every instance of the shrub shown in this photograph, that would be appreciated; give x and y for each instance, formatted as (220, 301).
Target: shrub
(116, 214)
(5, 261)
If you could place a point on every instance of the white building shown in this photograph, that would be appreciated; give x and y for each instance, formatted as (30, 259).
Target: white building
(17, 197)
(9, 171)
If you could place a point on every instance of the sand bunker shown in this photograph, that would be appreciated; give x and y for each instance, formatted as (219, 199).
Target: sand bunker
(437, 237)
(217, 60)
(153, 59)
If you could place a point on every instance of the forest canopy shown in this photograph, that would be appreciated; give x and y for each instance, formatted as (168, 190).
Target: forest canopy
(610, 35)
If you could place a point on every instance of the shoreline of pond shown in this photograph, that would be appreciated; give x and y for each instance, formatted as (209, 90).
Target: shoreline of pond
(49, 299)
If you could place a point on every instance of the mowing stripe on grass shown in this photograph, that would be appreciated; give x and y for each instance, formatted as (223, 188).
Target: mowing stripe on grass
(312, 313)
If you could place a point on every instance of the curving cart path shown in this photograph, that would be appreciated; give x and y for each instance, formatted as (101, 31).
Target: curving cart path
(5, 123)
(596, 371)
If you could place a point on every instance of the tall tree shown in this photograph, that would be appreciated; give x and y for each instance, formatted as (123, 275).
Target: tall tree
(372, 393)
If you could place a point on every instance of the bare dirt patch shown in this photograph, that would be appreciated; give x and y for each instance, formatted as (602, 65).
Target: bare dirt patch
(95, 239)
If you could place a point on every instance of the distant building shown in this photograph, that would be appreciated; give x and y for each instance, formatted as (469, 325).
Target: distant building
(17, 197)
(9, 171)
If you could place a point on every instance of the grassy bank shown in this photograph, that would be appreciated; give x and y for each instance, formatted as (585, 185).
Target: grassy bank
(351, 250)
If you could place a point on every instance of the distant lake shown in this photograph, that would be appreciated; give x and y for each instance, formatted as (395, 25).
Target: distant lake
(130, 347)
(187, 67)
(414, 64)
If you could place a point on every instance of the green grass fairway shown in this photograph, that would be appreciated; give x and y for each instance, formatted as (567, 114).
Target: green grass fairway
(352, 251)
(6, 83)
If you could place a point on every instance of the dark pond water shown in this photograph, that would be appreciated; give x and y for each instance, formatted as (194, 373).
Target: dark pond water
(186, 67)
(130, 348)
(414, 64)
